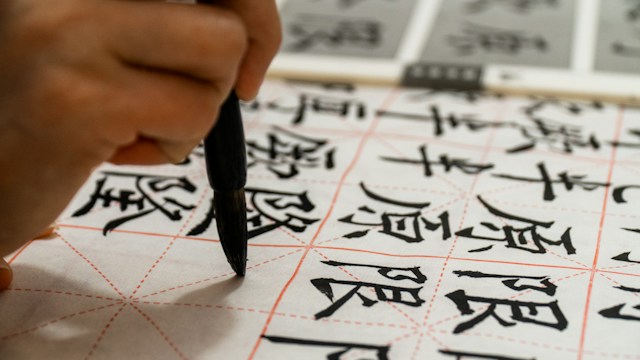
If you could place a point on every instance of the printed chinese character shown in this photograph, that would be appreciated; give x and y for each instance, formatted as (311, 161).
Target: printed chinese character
(286, 152)
(442, 123)
(526, 237)
(316, 104)
(147, 194)
(564, 179)
(626, 256)
(269, 210)
(346, 350)
(447, 163)
(407, 225)
(516, 6)
(309, 31)
(463, 355)
(556, 135)
(409, 296)
(620, 311)
(480, 38)
(530, 312)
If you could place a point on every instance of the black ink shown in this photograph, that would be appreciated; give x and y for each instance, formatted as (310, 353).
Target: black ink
(341, 107)
(515, 6)
(564, 178)
(381, 352)
(556, 135)
(149, 194)
(616, 312)
(386, 293)
(407, 226)
(461, 355)
(526, 238)
(511, 281)
(481, 38)
(444, 160)
(462, 301)
(442, 123)
(287, 152)
(415, 274)
(312, 30)
(269, 210)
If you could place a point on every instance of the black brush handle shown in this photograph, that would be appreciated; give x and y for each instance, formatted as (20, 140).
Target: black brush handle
(224, 148)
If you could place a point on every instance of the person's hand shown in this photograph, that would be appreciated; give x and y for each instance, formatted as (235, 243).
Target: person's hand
(132, 82)
(5, 274)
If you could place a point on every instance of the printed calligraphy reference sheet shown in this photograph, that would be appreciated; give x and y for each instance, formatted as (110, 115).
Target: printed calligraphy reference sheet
(384, 223)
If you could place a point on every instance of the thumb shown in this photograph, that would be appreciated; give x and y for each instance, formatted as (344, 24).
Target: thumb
(6, 274)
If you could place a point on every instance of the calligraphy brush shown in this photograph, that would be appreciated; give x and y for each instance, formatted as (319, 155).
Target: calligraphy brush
(226, 160)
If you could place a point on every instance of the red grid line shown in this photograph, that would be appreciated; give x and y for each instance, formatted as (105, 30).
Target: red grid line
(485, 153)
(166, 250)
(216, 277)
(103, 332)
(481, 309)
(60, 292)
(162, 333)
(65, 317)
(343, 178)
(397, 309)
(594, 266)
(92, 265)
(617, 283)
(20, 251)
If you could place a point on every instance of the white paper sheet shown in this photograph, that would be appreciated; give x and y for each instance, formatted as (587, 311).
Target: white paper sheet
(386, 224)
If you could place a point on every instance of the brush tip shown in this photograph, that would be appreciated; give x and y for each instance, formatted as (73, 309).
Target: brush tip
(231, 218)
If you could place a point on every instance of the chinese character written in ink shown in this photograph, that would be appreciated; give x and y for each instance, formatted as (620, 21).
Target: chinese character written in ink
(626, 256)
(441, 122)
(409, 296)
(345, 350)
(633, 19)
(147, 194)
(286, 152)
(618, 311)
(316, 104)
(525, 237)
(470, 96)
(463, 355)
(538, 313)
(309, 31)
(558, 136)
(564, 178)
(268, 210)
(476, 38)
(626, 144)
(444, 160)
(407, 225)
(517, 6)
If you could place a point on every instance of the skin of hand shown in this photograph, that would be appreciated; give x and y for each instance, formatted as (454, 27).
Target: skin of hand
(131, 82)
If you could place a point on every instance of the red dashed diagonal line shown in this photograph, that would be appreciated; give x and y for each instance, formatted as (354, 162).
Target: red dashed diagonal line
(92, 266)
(596, 256)
(482, 309)
(219, 276)
(61, 292)
(617, 283)
(166, 250)
(363, 141)
(180, 354)
(43, 325)
(351, 275)
(425, 320)
(103, 332)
